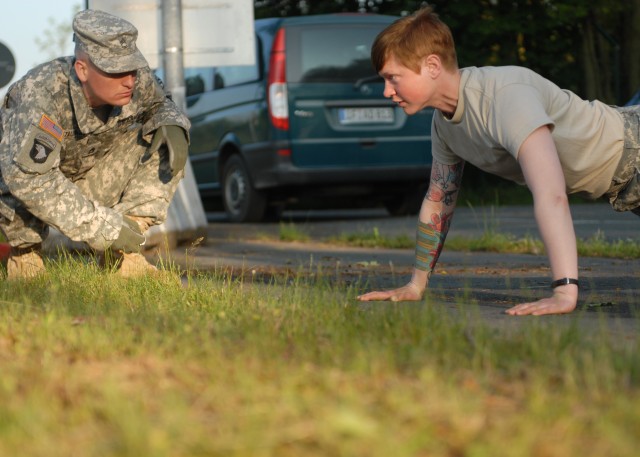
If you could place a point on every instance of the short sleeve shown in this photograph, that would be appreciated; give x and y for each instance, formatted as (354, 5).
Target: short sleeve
(516, 112)
(440, 151)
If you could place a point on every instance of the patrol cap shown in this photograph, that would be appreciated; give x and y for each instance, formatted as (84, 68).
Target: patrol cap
(109, 41)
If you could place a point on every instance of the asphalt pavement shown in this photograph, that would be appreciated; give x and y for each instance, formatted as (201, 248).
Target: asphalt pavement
(463, 283)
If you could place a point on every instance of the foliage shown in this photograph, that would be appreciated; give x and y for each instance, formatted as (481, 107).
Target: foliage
(55, 39)
(587, 47)
(548, 36)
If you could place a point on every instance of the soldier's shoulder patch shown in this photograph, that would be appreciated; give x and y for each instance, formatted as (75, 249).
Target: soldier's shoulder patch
(42, 147)
(39, 153)
(49, 126)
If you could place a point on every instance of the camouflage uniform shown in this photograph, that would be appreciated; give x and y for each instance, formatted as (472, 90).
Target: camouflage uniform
(61, 166)
(624, 193)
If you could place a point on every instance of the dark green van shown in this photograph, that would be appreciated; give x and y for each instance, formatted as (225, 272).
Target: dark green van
(307, 121)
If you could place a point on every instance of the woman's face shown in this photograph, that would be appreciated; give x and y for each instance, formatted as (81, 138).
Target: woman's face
(410, 90)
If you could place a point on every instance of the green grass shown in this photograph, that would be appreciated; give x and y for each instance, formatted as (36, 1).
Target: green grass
(495, 241)
(491, 241)
(598, 246)
(291, 232)
(595, 246)
(93, 365)
(373, 239)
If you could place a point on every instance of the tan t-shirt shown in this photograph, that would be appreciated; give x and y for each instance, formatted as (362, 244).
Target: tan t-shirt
(499, 107)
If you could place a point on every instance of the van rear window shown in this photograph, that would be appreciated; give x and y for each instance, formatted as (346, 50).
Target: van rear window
(330, 53)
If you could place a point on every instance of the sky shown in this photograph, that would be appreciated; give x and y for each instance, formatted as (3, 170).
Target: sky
(24, 21)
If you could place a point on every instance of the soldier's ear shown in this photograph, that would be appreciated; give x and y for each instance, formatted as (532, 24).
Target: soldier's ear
(82, 70)
(432, 65)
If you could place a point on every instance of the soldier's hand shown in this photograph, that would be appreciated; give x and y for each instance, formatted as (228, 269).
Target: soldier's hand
(130, 238)
(175, 139)
(410, 292)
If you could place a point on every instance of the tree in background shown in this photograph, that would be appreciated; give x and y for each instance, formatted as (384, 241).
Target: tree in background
(55, 39)
(590, 48)
(582, 46)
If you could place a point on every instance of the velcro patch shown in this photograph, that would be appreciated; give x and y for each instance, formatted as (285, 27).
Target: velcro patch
(41, 149)
(40, 152)
(51, 127)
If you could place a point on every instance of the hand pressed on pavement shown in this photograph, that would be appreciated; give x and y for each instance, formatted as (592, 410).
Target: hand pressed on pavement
(563, 301)
(410, 292)
(130, 238)
(177, 145)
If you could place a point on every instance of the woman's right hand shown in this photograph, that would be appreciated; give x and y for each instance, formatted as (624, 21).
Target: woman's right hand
(410, 292)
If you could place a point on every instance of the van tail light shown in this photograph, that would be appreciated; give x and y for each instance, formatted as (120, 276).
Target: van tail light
(277, 84)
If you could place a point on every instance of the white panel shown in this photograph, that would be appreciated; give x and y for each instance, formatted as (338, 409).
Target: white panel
(215, 32)
(218, 32)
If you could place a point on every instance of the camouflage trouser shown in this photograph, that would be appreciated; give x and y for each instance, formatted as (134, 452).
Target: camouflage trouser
(128, 179)
(624, 193)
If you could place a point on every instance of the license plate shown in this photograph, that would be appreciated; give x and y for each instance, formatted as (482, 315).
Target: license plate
(374, 115)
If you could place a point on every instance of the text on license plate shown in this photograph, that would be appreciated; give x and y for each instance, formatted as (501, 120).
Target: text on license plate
(373, 115)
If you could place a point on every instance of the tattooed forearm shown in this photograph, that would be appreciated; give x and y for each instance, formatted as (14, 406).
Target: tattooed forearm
(434, 226)
(445, 182)
(430, 240)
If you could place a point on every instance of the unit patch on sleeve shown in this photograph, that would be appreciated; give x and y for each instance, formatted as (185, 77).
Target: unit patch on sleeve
(42, 147)
(40, 151)
(51, 127)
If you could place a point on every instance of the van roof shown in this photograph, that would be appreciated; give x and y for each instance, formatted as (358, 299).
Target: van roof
(335, 18)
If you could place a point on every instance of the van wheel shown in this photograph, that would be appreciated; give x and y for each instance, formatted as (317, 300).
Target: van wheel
(242, 202)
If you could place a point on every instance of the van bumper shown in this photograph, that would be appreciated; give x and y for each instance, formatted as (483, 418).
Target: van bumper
(269, 170)
(289, 175)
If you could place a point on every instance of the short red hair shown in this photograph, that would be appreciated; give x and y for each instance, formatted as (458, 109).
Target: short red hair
(412, 38)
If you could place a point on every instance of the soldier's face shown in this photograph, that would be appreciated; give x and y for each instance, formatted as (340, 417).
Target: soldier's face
(100, 88)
